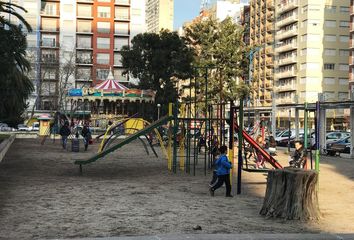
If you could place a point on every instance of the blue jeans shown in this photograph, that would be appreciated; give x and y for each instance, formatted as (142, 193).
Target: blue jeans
(64, 140)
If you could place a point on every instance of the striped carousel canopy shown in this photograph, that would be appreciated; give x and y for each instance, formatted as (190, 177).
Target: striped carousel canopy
(110, 84)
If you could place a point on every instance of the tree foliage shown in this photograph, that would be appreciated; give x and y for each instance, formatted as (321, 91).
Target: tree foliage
(220, 47)
(157, 60)
(15, 86)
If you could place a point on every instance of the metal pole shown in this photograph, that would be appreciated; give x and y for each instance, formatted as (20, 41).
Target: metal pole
(239, 169)
(305, 128)
(175, 130)
(205, 122)
(231, 136)
(289, 128)
(274, 109)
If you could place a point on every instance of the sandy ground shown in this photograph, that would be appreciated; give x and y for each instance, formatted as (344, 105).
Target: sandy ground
(42, 196)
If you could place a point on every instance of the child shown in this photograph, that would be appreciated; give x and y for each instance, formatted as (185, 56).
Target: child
(223, 166)
(260, 159)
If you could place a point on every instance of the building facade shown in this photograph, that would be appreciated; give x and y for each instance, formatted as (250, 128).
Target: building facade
(351, 61)
(159, 15)
(311, 50)
(76, 43)
(261, 59)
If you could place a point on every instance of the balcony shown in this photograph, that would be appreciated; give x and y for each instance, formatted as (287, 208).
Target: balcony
(85, 16)
(122, 18)
(283, 34)
(269, 73)
(287, 60)
(287, 47)
(286, 100)
(291, 4)
(287, 21)
(285, 74)
(84, 47)
(268, 84)
(49, 44)
(84, 61)
(270, 5)
(285, 88)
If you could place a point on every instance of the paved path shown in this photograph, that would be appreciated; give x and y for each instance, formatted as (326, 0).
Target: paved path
(234, 237)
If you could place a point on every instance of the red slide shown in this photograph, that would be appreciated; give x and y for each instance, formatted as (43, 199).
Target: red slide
(259, 149)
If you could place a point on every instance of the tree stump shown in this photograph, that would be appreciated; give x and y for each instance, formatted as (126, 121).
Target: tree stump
(291, 194)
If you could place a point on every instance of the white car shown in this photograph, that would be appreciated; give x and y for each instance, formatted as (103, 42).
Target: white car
(23, 127)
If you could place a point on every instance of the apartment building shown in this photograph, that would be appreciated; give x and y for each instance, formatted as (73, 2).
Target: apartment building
(262, 38)
(76, 43)
(311, 50)
(351, 61)
(159, 15)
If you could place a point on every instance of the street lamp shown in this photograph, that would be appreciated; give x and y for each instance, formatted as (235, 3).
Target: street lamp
(158, 111)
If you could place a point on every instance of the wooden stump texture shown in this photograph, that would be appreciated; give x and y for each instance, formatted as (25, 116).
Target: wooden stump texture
(291, 194)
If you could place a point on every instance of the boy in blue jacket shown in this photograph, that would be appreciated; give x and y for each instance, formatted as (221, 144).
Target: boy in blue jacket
(223, 166)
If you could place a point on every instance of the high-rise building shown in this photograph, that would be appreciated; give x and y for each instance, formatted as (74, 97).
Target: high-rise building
(311, 50)
(351, 61)
(262, 39)
(159, 15)
(76, 43)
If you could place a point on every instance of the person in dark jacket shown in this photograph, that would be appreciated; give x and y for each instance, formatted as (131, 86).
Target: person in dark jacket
(298, 159)
(223, 166)
(64, 133)
(86, 133)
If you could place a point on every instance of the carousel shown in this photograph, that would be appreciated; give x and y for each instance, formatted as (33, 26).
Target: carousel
(110, 100)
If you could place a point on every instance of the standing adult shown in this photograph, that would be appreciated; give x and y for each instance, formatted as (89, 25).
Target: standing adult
(65, 133)
(223, 166)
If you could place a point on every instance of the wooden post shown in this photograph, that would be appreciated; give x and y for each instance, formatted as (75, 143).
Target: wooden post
(291, 194)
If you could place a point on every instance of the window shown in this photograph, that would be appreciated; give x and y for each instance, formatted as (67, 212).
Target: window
(121, 28)
(344, 38)
(102, 58)
(84, 10)
(49, 8)
(103, 27)
(329, 66)
(330, 38)
(329, 52)
(83, 73)
(344, 24)
(84, 42)
(84, 57)
(330, 9)
(329, 80)
(344, 9)
(343, 53)
(330, 23)
(343, 81)
(343, 67)
(103, 43)
(103, 12)
(122, 13)
(48, 40)
(343, 96)
(68, 42)
(328, 95)
(118, 59)
(49, 56)
(120, 42)
(102, 74)
(49, 24)
(84, 26)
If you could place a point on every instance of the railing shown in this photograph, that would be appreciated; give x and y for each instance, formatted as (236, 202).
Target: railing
(287, 20)
(285, 74)
(286, 47)
(287, 60)
(286, 33)
(288, 6)
(285, 87)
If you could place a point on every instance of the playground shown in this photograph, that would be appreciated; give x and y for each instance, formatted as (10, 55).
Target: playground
(43, 196)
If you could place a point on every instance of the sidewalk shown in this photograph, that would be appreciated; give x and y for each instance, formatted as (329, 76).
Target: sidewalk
(234, 237)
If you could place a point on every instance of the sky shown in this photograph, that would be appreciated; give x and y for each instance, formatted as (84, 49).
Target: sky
(185, 10)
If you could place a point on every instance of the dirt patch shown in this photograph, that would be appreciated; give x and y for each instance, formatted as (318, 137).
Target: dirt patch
(128, 192)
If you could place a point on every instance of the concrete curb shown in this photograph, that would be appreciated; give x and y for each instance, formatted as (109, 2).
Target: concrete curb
(5, 145)
(260, 236)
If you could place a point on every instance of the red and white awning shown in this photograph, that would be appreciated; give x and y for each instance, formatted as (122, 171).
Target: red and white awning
(111, 84)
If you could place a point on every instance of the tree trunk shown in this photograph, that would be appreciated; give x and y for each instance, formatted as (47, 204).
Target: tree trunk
(291, 194)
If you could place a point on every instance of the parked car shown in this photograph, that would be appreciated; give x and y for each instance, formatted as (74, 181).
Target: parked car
(339, 146)
(23, 127)
(282, 138)
(35, 126)
(331, 137)
(5, 128)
